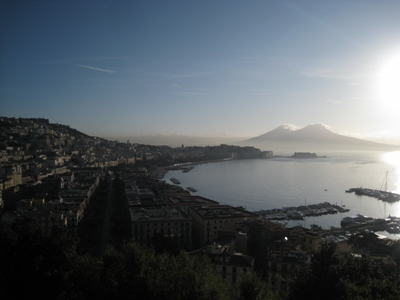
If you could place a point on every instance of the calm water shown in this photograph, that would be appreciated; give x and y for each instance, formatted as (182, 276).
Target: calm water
(279, 182)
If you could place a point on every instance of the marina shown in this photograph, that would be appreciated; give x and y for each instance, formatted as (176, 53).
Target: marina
(300, 212)
(358, 222)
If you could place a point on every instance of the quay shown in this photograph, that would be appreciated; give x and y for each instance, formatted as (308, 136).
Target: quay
(299, 212)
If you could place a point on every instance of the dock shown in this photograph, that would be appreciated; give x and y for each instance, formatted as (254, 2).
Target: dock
(300, 212)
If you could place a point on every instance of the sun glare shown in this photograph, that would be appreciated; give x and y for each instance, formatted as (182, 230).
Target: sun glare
(389, 85)
(393, 160)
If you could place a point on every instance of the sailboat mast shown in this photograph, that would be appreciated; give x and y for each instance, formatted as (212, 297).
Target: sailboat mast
(386, 181)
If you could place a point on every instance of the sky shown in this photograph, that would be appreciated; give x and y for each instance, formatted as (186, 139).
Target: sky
(118, 69)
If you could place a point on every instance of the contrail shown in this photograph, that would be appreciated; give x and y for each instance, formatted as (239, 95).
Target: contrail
(96, 69)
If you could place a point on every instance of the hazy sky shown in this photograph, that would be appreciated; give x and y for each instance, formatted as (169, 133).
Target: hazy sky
(221, 68)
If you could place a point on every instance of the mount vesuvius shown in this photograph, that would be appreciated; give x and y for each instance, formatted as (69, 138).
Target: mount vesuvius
(311, 138)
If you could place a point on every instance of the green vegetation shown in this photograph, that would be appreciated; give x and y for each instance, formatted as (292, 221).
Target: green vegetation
(332, 275)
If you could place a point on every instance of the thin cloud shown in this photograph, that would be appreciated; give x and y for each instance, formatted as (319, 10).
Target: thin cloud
(96, 69)
(184, 75)
(327, 74)
(334, 101)
(176, 85)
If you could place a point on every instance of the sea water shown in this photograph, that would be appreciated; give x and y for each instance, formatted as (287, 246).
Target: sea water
(261, 184)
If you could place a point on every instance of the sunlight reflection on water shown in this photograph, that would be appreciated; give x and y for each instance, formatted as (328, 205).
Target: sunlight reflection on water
(393, 159)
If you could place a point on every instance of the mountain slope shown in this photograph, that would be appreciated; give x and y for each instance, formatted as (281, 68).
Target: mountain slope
(311, 137)
(279, 133)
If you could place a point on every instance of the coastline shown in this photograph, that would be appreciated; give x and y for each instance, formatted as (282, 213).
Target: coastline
(317, 186)
(159, 173)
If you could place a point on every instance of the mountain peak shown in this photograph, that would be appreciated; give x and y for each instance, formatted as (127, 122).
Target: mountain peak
(318, 125)
(288, 126)
(315, 129)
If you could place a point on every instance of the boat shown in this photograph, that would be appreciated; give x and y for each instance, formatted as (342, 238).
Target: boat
(385, 195)
(355, 219)
(393, 228)
(176, 181)
(294, 214)
(381, 194)
(389, 197)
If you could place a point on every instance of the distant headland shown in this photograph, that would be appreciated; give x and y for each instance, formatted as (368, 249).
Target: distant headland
(305, 155)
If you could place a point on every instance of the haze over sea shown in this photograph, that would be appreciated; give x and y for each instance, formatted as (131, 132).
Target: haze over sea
(259, 184)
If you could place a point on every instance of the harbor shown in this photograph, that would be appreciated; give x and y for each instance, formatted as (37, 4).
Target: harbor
(300, 212)
(381, 194)
(360, 222)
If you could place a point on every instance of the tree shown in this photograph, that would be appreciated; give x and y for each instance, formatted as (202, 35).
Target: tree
(30, 259)
(252, 287)
(332, 275)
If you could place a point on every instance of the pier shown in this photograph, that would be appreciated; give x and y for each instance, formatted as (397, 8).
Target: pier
(381, 195)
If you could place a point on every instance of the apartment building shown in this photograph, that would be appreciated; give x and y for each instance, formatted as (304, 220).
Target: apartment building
(166, 222)
(229, 264)
(187, 201)
(208, 220)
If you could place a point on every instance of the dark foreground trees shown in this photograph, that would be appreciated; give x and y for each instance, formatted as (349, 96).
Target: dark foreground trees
(332, 275)
(49, 267)
(135, 272)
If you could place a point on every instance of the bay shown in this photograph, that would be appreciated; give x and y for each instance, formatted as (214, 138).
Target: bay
(259, 184)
